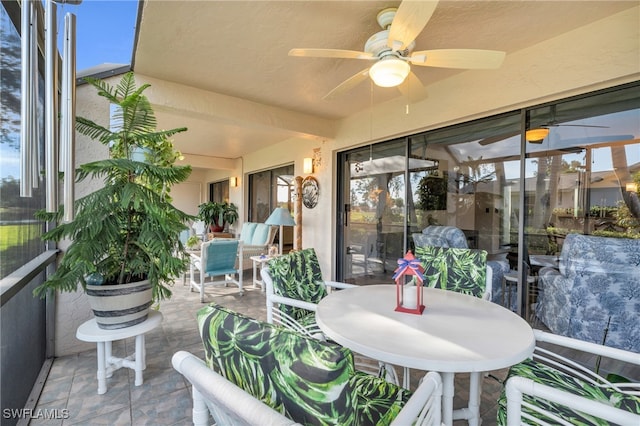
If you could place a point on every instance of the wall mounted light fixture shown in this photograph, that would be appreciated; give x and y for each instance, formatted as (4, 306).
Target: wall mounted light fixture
(233, 181)
(307, 165)
(631, 187)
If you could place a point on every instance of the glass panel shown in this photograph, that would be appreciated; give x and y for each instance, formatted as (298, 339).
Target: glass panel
(259, 196)
(375, 213)
(19, 231)
(219, 191)
(464, 177)
(269, 189)
(577, 177)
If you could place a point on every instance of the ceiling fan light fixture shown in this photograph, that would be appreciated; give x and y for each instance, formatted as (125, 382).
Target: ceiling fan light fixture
(389, 72)
(537, 135)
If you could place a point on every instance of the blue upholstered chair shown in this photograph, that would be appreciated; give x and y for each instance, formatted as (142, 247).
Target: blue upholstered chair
(219, 257)
(594, 295)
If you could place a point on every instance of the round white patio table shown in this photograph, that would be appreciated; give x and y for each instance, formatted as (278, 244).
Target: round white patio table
(456, 333)
(107, 363)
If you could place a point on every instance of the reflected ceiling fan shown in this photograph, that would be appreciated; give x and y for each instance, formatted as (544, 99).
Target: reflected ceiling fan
(537, 134)
(392, 51)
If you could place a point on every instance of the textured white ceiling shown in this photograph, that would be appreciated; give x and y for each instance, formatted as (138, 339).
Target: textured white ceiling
(239, 49)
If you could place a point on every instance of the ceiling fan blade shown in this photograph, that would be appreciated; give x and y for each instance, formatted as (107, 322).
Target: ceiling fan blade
(331, 53)
(576, 125)
(458, 58)
(413, 89)
(347, 85)
(410, 20)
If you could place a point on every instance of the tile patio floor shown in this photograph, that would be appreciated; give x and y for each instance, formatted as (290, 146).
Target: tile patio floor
(164, 398)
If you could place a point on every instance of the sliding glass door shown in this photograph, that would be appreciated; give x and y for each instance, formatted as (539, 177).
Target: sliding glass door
(373, 215)
(516, 197)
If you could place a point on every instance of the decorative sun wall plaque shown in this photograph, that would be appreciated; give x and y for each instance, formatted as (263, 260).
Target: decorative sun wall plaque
(310, 192)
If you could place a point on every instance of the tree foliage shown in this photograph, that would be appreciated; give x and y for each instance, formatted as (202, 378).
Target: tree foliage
(128, 230)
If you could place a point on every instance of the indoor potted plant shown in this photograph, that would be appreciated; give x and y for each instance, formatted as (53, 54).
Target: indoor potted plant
(217, 215)
(125, 235)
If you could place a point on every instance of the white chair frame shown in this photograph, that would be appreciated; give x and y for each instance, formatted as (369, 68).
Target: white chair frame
(276, 316)
(516, 387)
(197, 262)
(230, 405)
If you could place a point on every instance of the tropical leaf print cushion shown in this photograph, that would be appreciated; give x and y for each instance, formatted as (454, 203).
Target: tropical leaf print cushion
(298, 276)
(544, 374)
(311, 382)
(455, 269)
(374, 400)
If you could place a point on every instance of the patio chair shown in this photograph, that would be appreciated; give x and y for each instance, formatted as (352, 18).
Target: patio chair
(456, 269)
(451, 236)
(219, 257)
(294, 287)
(460, 270)
(553, 389)
(258, 373)
(199, 228)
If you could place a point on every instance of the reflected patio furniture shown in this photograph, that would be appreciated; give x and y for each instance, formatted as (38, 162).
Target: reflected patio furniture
(511, 279)
(371, 252)
(550, 388)
(294, 287)
(593, 294)
(218, 257)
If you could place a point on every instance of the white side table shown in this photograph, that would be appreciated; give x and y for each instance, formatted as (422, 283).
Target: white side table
(258, 263)
(107, 364)
(509, 280)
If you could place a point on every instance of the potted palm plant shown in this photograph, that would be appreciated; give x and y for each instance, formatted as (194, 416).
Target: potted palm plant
(125, 235)
(217, 215)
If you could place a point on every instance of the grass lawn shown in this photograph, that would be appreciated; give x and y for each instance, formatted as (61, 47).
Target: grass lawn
(17, 234)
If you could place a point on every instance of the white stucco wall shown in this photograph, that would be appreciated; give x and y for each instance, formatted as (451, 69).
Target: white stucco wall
(72, 309)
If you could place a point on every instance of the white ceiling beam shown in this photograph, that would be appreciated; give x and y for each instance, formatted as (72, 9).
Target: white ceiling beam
(186, 100)
(207, 162)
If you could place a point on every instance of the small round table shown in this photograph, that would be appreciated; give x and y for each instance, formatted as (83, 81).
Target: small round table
(107, 364)
(258, 263)
(456, 333)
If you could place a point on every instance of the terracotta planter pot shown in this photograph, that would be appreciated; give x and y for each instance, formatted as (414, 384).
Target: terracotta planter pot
(120, 306)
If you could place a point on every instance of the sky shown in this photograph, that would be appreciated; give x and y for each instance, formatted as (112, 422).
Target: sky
(104, 34)
(104, 31)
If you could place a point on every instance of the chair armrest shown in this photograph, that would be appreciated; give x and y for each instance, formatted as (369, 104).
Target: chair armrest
(423, 407)
(581, 345)
(336, 284)
(292, 302)
(517, 386)
(229, 403)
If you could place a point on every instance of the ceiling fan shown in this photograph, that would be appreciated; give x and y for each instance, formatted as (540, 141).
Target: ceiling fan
(392, 51)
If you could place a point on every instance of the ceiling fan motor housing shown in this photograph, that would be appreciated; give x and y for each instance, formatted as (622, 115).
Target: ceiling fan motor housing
(377, 45)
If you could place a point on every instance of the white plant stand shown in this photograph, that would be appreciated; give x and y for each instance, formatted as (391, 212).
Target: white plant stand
(258, 263)
(107, 363)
